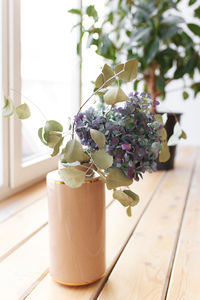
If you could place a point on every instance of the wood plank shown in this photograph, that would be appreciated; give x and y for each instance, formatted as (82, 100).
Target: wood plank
(15, 230)
(184, 283)
(24, 266)
(142, 269)
(19, 201)
(23, 224)
(119, 227)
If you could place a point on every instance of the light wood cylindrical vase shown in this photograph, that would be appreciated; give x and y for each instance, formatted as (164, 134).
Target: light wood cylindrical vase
(76, 230)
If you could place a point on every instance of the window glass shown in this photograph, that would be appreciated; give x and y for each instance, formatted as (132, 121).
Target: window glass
(49, 67)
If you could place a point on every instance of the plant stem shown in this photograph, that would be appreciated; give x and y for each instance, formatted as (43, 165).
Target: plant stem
(151, 81)
(30, 102)
(94, 93)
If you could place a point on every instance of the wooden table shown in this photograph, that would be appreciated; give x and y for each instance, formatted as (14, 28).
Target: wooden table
(155, 254)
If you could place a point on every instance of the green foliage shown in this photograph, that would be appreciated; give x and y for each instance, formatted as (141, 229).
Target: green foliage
(117, 178)
(152, 33)
(73, 152)
(23, 111)
(72, 177)
(191, 2)
(130, 70)
(98, 137)
(8, 107)
(75, 11)
(91, 12)
(194, 28)
(74, 157)
(102, 159)
(185, 95)
(51, 135)
(126, 197)
(105, 75)
(164, 152)
(128, 211)
(114, 95)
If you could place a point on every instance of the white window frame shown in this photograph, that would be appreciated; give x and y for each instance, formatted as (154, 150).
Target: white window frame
(4, 188)
(17, 175)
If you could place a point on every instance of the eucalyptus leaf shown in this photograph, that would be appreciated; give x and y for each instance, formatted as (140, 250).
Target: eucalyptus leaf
(164, 152)
(72, 177)
(5, 102)
(158, 118)
(107, 73)
(74, 152)
(51, 125)
(102, 178)
(114, 95)
(130, 70)
(53, 139)
(102, 159)
(117, 178)
(126, 197)
(183, 135)
(23, 111)
(98, 137)
(57, 147)
(163, 132)
(8, 107)
(40, 134)
(119, 68)
(128, 211)
(134, 196)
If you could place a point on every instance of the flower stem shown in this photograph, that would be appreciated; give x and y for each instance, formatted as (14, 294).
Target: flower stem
(30, 102)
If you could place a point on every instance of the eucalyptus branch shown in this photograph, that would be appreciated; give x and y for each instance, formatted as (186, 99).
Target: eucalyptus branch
(15, 91)
(94, 93)
(101, 173)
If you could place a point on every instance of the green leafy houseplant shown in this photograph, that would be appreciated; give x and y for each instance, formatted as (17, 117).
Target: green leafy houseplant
(118, 142)
(151, 32)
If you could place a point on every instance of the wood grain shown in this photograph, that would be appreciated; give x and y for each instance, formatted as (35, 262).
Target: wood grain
(23, 267)
(185, 279)
(18, 228)
(142, 269)
(119, 227)
(19, 201)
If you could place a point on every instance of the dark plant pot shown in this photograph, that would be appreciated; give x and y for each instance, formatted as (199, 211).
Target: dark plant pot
(171, 121)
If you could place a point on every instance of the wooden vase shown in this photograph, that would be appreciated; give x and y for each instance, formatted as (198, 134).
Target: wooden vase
(76, 230)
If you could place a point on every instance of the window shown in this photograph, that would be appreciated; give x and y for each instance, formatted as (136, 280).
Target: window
(43, 67)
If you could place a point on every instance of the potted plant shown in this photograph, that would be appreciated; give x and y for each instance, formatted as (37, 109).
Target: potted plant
(151, 32)
(110, 146)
